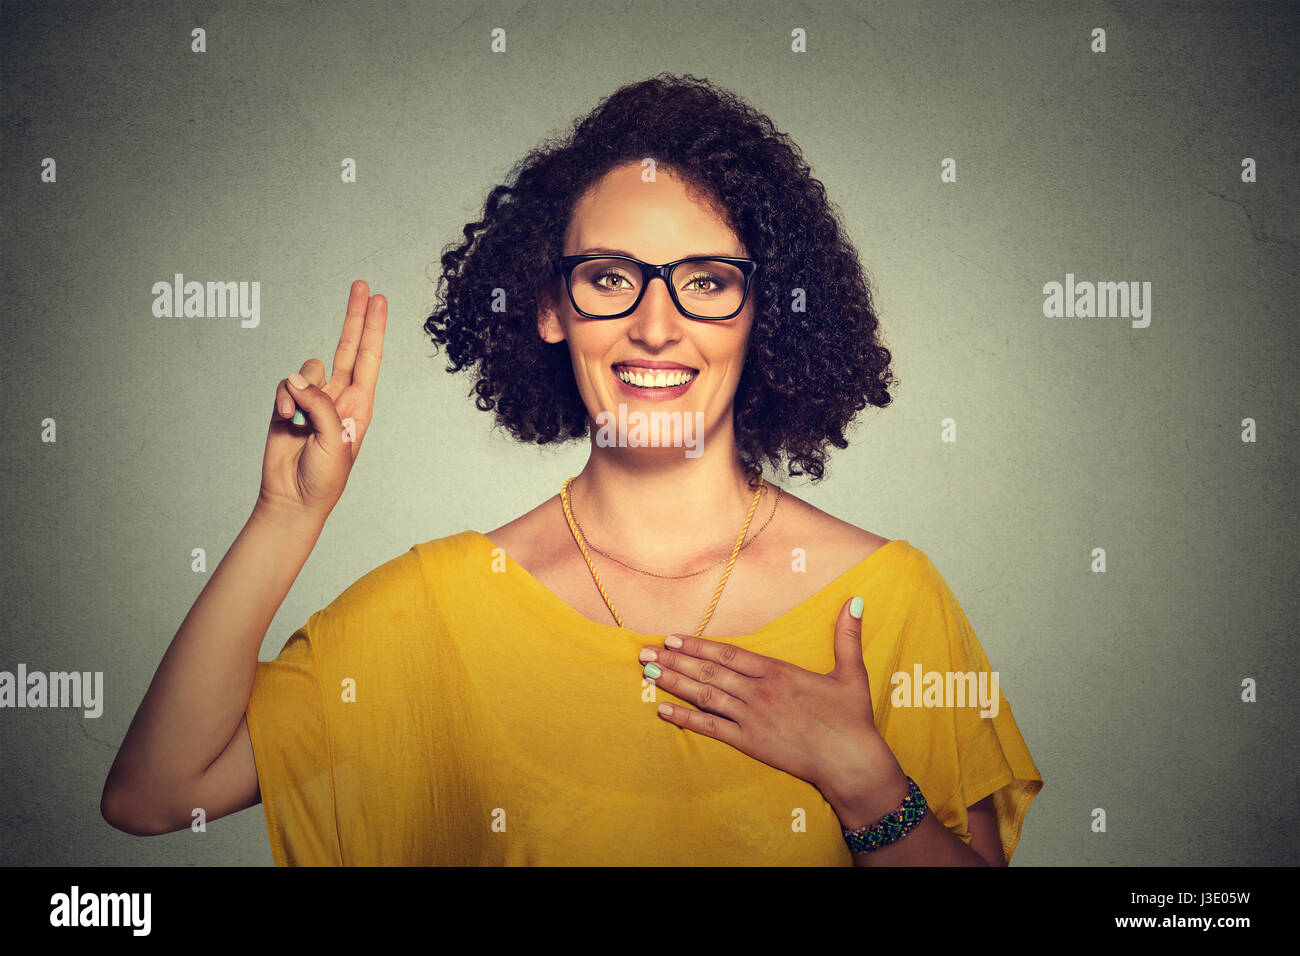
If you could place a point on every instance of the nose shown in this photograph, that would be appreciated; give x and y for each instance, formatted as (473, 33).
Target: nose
(656, 319)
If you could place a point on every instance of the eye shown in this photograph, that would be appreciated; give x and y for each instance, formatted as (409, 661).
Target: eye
(621, 282)
(611, 275)
(715, 284)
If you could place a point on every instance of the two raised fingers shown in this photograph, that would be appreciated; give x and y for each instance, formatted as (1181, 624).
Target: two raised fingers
(361, 344)
(356, 359)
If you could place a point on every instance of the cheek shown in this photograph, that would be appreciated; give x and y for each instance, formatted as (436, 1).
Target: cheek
(589, 350)
(727, 354)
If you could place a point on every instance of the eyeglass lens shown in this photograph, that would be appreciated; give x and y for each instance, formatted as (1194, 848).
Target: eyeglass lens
(704, 287)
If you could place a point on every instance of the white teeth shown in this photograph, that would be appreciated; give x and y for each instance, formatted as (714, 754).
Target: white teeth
(649, 378)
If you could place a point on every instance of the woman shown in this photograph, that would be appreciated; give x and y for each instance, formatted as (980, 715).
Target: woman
(473, 701)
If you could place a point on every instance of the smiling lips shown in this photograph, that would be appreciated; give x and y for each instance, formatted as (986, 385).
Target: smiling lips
(651, 375)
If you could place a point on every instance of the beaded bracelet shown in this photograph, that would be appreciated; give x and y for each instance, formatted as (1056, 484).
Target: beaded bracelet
(892, 826)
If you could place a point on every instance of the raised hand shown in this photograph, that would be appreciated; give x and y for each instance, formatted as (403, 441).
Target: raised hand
(317, 426)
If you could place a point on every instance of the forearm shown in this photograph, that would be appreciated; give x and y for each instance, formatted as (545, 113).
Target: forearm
(202, 686)
(929, 843)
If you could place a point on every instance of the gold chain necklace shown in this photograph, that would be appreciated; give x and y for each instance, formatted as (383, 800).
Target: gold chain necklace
(582, 546)
(688, 574)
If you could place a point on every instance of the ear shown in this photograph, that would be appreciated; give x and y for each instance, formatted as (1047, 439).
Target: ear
(548, 323)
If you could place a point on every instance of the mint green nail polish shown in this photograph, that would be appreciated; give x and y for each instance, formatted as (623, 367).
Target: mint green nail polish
(299, 418)
(855, 608)
(652, 671)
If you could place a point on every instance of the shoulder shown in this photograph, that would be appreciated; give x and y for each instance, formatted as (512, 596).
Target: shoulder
(380, 600)
(393, 583)
(934, 620)
(804, 525)
(851, 544)
(445, 553)
(535, 539)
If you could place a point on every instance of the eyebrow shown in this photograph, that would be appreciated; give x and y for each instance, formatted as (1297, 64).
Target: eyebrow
(606, 251)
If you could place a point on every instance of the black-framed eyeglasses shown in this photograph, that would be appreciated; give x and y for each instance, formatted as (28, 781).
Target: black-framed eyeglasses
(714, 288)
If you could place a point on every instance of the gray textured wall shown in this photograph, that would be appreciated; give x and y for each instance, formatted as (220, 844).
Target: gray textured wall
(1073, 433)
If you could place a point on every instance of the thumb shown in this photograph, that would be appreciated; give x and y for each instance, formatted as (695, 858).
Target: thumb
(848, 641)
(320, 412)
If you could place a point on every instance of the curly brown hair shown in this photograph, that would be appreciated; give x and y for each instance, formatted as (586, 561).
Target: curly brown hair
(806, 373)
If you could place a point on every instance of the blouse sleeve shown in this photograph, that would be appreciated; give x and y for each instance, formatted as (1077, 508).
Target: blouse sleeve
(948, 721)
(290, 735)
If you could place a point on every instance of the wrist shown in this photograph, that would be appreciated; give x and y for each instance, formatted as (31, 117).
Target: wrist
(295, 520)
(863, 797)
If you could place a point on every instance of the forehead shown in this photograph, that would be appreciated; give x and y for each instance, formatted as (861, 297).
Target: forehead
(656, 219)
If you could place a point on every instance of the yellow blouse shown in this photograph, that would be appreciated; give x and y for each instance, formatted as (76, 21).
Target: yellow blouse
(449, 709)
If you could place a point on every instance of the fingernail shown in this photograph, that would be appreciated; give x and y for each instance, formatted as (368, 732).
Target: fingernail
(652, 671)
(647, 654)
(666, 709)
(299, 418)
(855, 608)
(297, 380)
(672, 640)
(286, 407)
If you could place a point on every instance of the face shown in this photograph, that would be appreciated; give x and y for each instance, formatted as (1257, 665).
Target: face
(656, 222)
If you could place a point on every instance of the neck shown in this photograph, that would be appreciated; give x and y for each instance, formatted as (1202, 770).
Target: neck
(656, 508)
